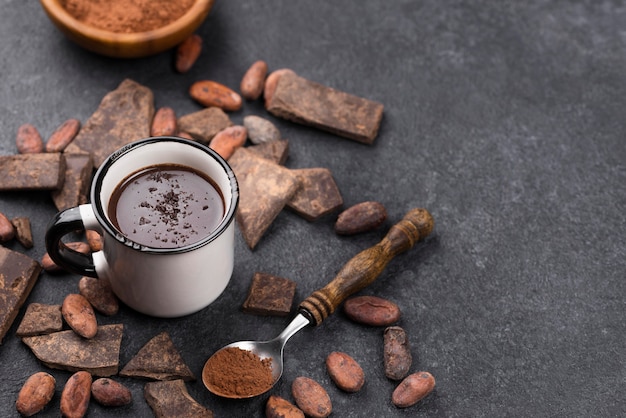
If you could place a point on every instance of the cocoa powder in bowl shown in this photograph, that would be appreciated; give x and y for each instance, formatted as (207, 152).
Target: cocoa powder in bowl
(127, 16)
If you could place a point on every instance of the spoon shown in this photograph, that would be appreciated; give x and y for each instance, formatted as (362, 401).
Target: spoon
(355, 275)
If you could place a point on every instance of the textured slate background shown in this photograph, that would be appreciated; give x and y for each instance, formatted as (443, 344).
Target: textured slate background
(506, 119)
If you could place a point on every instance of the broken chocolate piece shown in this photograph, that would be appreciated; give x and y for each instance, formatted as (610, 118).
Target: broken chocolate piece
(159, 360)
(23, 232)
(18, 275)
(171, 399)
(318, 194)
(270, 295)
(40, 319)
(78, 171)
(123, 116)
(42, 171)
(264, 189)
(65, 350)
(309, 103)
(204, 124)
(276, 151)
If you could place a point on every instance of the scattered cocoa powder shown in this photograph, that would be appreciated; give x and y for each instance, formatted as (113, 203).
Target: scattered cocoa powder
(127, 16)
(233, 372)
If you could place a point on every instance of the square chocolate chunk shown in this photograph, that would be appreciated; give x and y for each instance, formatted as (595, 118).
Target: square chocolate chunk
(270, 295)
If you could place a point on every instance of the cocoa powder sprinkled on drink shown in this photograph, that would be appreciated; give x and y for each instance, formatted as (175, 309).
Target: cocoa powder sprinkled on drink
(127, 16)
(234, 372)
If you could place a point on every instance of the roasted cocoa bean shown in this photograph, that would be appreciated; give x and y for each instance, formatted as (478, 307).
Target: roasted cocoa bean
(277, 407)
(226, 142)
(210, 93)
(7, 230)
(28, 140)
(187, 53)
(164, 122)
(260, 130)
(253, 81)
(79, 315)
(362, 217)
(99, 294)
(63, 135)
(50, 266)
(76, 395)
(109, 392)
(270, 84)
(413, 389)
(345, 372)
(372, 310)
(397, 353)
(311, 397)
(94, 240)
(35, 394)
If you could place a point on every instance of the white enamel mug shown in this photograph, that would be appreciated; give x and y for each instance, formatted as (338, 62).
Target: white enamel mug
(162, 282)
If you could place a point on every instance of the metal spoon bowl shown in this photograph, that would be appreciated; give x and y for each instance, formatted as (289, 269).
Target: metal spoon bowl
(355, 275)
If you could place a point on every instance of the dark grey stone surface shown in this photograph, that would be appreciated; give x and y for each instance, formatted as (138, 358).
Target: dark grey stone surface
(505, 119)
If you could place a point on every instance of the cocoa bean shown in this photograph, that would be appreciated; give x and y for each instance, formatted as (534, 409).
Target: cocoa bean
(270, 84)
(35, 394)
(397, 353)
(371, 310)
(28, 140)
(345, 372)
(277, 407)
(7, 230)
(413, 389)
(311, 397)
(226, 142)
(99, 294)
(63, 135)
(260, 130)
(79, 315)
(50, 266)
(362, 217)
(210, 93)
(76, 395)
(94, 240)
(164, 122)
(109, 392)
(187, 53)
(253, 80)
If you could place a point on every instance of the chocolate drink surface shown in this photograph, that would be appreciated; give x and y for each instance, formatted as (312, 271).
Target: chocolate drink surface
(166, 206)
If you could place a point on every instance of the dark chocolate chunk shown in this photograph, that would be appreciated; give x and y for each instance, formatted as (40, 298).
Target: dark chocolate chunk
(66, 350)
(124, 115)
(171, 399)
(78, 171)
(158, 359)
(264, 189)
(309, 103)
(204, 124)
(318, 194)
(40, 319)
(43, 171)
(23, 232)
(270, 295)
(276, 151)
(18, 275)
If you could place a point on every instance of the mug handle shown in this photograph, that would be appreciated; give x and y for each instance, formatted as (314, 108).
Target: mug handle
(63, 223)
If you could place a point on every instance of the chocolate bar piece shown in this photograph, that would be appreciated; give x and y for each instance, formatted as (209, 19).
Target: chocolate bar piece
(41, 171)
(123, 116)
(171, 399)
(18, 275)
(264, 189)
(78, 171)
(204, 124)
(40, 319)
(270, 295)
(276, 151)
(23, 231)
(309, 103)
(318, 194)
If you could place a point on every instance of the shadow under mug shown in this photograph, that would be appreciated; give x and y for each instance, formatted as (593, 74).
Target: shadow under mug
(162, 282)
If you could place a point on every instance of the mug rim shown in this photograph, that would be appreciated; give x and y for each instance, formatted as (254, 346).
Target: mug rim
(104, 221)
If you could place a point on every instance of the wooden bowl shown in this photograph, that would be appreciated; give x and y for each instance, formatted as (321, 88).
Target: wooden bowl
(127, 45)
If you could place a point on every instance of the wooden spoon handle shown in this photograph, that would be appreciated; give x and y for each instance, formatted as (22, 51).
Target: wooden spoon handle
(367, 265)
